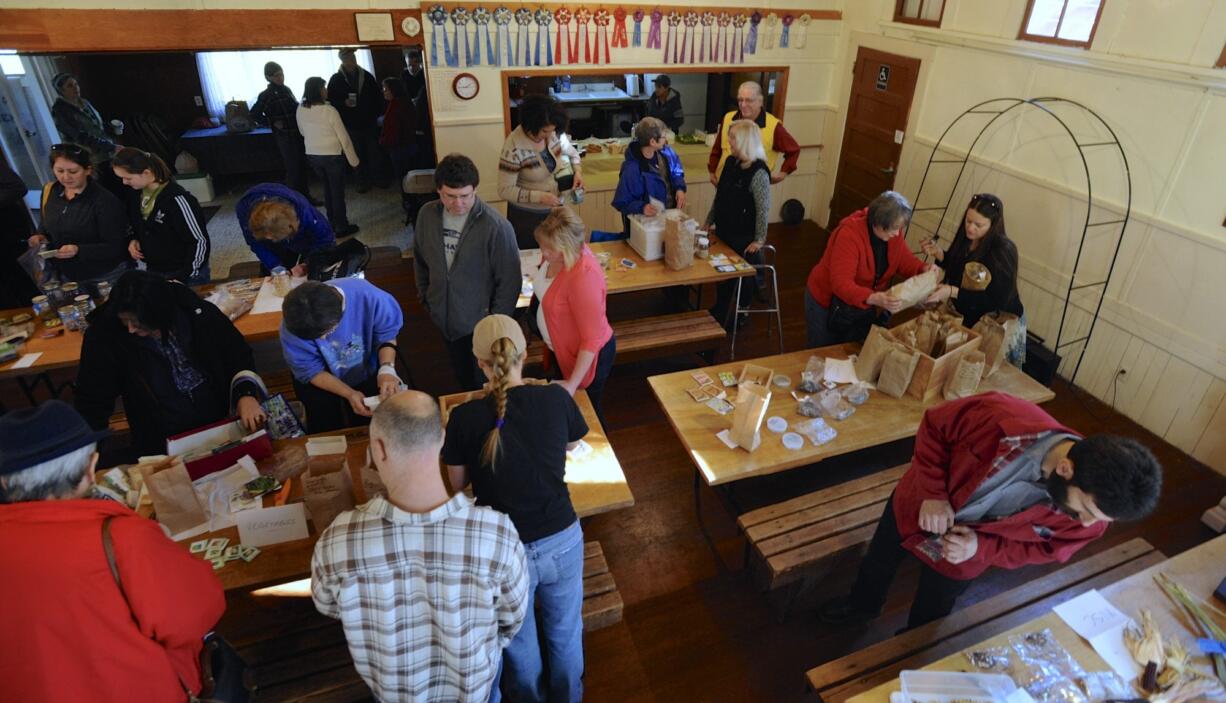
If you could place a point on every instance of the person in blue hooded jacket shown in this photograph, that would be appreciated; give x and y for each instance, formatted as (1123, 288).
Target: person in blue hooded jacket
(282, 227)
(652, 170)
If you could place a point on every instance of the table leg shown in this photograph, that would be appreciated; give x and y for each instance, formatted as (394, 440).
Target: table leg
(719, 560)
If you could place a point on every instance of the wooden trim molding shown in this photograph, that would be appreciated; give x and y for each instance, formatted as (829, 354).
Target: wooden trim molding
(62, 31)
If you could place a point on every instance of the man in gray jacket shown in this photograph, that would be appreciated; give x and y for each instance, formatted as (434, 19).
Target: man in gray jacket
(466, 263)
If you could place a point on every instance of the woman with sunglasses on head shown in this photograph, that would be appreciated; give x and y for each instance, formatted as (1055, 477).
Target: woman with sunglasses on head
(981, 269)
(82, 221)
(168, 228)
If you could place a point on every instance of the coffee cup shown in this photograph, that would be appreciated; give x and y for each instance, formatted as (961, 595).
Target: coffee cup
(117, 126)
(352, 100)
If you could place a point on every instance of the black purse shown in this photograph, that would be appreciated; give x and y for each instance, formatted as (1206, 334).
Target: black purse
(849, 322)
(224, 675)
(346, 259)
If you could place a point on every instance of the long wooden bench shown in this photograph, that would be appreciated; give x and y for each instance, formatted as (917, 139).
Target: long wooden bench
(803, 538)
(694, 331)
(876, 664)
(602, 604)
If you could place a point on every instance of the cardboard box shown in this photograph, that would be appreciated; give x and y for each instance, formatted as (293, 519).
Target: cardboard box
(752, 373)
(647, 236)
(930, 374)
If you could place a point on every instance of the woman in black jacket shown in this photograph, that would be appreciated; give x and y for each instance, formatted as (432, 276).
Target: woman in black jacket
(176, 360)
(168, 228)
(981, 240)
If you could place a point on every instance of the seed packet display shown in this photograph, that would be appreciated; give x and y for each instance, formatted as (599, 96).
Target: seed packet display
(719, 405)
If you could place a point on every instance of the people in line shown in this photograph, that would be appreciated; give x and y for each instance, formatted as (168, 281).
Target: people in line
(665, 103)
(571, 318)
(537, 165)
(175, 360)
(414, 75)
(451, 576)
(740, 209)
(79, 122)
(995, 482)
(277, 108)
(358, 98)
(339, 341)
(650, 171)
(328, 149)
(168, 229)
(775, 139)
(465, 262)
(82, 221)
(981, 239)
(119, 587)
(399, 132)
(16, 285)
(511, 446)
(282, 227)
(846, 291)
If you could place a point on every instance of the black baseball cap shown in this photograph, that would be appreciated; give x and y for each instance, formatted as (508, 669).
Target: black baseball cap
(663, 80)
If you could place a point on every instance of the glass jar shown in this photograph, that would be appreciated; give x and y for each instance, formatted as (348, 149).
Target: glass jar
(104, 291)
(71, 317)
(84, 303)
(68, 292)
(280, 281)
(42, 307)
(54, 296)
(702, 247)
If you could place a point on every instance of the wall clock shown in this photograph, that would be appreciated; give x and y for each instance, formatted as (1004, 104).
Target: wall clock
(465, 86)
(411, 26)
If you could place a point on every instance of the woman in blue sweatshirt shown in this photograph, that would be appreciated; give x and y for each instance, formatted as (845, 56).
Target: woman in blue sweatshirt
(282, 227)
(652, 170)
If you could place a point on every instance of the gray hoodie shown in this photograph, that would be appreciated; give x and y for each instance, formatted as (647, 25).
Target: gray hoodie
(484, 277)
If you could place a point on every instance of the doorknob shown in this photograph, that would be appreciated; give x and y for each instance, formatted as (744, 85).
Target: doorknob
(888, 170)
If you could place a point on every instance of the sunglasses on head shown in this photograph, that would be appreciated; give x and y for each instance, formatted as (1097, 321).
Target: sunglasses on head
(987, 199)
(68, 148)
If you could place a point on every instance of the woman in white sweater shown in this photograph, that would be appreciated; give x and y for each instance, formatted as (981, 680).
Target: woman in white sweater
(326, 140)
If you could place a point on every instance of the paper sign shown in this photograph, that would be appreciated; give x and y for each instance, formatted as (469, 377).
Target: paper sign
(257, 528)
(26, 360)
(1102, 625)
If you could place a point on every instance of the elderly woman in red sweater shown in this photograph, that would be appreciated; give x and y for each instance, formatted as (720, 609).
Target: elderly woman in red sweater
(571, 317)
(845, 294)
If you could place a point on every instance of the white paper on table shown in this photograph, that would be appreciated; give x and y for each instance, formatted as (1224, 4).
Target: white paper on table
(1102, 625)
(205, 439)
(267, 301)
(26, 360)
(725, 436)
(840, 371)
(284, 523)
(214, 491)
(659, 206)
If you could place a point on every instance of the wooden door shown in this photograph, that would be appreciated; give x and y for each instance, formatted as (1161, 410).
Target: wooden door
(881, 91)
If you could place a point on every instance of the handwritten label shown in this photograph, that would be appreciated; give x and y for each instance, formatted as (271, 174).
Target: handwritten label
(257, 528)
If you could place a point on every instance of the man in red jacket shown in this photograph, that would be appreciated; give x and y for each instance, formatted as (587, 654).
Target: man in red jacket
(995, 481)
(69, 632)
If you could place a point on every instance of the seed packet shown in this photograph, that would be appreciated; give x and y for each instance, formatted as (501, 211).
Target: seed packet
(726, 378)
(219, 543)
(932, 549)
(199, 546)
(248, 553)
(232, 553)
(697, 394)
(720, 406)
(214, 553)
(701, 378)
(217, 563)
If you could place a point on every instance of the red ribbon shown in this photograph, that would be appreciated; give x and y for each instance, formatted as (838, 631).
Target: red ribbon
(620, 38)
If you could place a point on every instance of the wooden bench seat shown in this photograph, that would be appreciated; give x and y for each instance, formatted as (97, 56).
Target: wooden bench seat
(876, 664)
(694, 331)
(602, 604)
(806, 536)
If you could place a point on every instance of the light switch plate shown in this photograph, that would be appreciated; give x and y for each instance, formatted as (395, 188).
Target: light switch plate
(898, 136)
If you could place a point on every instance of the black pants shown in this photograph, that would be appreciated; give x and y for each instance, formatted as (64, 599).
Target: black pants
(331, 170)
(936, 594)
(724, 291)
(370, 156)
(524, 222)
(604, 365)
(293, 155)
(464, 364)
(326, 412)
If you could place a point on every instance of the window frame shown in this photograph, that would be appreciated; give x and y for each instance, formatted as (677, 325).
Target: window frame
(1039, 38)
(900, 17)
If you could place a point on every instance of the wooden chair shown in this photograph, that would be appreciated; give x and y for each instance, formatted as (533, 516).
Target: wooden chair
(838, 680)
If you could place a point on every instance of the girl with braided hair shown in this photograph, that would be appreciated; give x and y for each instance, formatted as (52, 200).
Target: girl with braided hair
(512, 445)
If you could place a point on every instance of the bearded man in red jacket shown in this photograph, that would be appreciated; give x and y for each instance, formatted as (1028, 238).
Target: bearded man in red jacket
(995, 481)
(70, 633)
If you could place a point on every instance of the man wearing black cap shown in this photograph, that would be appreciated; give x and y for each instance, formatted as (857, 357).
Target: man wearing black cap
(665, 104)
(104, 607)
(277, 107)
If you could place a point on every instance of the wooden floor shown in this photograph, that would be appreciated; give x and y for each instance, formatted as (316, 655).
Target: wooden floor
(694, 628)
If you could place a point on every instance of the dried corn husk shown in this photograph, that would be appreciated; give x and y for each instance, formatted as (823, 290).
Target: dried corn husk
(1145, 642)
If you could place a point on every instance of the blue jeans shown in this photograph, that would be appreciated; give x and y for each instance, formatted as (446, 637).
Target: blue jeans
(545, 660)
(331, 170)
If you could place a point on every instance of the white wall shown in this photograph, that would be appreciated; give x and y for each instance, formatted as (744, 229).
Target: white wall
(1149, 76)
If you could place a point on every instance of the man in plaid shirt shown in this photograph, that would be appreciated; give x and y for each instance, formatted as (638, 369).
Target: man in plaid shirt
(429, 587)
(995, 481)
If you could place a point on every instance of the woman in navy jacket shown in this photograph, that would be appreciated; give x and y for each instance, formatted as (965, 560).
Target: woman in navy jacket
(168, 228)
(282, 227)
(651, 170)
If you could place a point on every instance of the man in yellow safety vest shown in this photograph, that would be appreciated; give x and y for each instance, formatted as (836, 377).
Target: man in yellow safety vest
(775, 139)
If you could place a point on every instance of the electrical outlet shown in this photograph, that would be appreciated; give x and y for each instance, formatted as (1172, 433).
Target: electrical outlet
(199, 101)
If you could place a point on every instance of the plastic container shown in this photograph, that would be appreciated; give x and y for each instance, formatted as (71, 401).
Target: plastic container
(71, 317)
(280, 281)
(42, 307)
(945, 686)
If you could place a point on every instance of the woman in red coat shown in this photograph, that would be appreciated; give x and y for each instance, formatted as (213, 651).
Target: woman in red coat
(571, 318)
(845, 294)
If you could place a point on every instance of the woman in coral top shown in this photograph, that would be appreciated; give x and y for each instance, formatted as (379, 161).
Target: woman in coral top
(571, 317)
(845, 294)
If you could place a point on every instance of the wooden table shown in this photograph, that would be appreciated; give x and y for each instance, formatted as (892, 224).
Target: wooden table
(880, 420)
(646, 275)
(1199, 569)
(64, 350)
(597, 485)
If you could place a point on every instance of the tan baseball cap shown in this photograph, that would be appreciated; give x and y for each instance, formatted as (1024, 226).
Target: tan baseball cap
(492, 328)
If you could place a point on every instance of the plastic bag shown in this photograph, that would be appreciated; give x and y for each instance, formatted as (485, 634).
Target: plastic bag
(834, 405)
(1046, 669)
(809, 407)
(811, 377)
(817, 430)
(856, 393)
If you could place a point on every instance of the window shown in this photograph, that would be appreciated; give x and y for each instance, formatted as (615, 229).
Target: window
(1065, 22)
(925, 12)
(239, 75)
(10, 63)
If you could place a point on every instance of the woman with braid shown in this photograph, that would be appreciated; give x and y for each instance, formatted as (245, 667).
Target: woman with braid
(512, 444)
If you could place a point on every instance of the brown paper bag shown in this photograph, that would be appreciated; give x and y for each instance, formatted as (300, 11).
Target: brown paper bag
(914, 290)
(927, 332)
(964, 380)
(678, 245)
(174, 498)
(897, 370)
(751, 403)
(996, 329)
(327, 488)
(872, 354)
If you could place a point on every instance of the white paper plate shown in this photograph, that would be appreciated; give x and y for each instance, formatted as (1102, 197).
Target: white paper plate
(782, 381)
(793, 441)
(776, 424)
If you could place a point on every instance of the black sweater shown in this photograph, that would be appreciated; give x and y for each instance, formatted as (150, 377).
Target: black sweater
(95, 222)
(364, 115)
(173, 239)
(115, 363)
